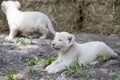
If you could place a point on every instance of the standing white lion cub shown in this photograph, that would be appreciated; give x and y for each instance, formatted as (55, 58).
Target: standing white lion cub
(69, 49)
(25, 22)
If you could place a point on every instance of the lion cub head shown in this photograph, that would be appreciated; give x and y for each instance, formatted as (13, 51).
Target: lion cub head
(9, 4)
(63, 41)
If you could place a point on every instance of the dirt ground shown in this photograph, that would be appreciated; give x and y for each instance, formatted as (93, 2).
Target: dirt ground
(14, 57)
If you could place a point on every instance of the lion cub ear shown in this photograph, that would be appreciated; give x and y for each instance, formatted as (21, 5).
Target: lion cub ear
(71, 39)
(18, 5)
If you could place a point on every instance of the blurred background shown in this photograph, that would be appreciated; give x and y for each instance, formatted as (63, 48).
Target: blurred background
(88, 16)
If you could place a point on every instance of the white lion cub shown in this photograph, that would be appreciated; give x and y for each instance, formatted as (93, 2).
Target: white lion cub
(25, 22)
(68, 50)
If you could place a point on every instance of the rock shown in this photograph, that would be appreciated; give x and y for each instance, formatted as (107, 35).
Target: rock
(111, 62)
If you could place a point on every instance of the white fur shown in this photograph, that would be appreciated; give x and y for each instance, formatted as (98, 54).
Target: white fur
(69, 49)
(25, 22)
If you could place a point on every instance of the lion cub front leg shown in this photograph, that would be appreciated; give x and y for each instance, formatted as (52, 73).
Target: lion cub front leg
(59, 67)
(52, 65)
(12, 34)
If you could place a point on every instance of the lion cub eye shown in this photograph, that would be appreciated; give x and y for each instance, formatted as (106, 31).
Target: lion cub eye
(60, 39)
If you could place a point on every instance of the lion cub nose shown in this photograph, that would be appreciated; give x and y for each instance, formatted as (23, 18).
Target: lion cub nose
(53, 44)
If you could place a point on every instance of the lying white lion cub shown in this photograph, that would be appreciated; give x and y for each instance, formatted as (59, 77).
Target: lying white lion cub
(68, 50)
(25, 22)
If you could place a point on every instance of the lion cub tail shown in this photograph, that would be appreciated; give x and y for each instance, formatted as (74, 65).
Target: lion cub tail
(112, 54)
(50, 27)
(115, 55)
